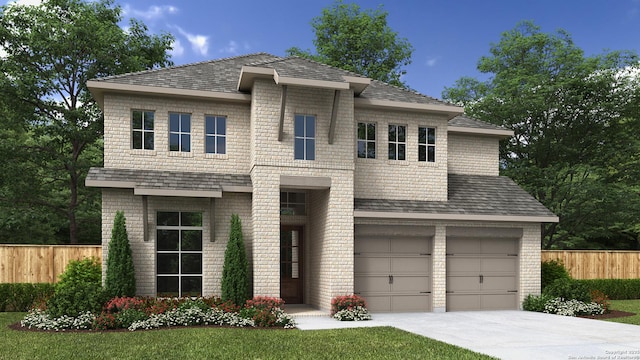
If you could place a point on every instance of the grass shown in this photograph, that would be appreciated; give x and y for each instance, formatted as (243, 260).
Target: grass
(225, 343)
(627, 305)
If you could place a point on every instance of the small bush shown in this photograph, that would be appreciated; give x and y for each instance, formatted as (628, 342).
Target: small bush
(601, 299)
(120, 277)
(266, 312)
(346, 302)
(79, 290)
(535, 303)
(615, 289)
(551, 271)
(23, 296)
(265, 302)
(235, 271)
(572, 307)
(568, 289)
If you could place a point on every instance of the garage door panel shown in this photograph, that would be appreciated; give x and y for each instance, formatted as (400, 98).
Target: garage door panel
(499, 246)
(461, 265)
(463, 283)
(411, 265)
(367, 284)
(371, 264)
(504, 283)
(378, 303)
(499, 301)
(462, 302)
(372, 244)
(411, 303)
(414, 284)
(504, 264)
(410, 245)
(463, 246)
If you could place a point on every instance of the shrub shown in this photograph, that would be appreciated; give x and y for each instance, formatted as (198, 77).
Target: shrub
(79, 290)
(23, 296)
(615, 289)
(572, 307)
(352, 314)
(568, 289)
(551, 271)
(235, 272)
(346, 302)
(266, 312)
(535, 303)
(601, 299)
(265, 302)
(120, 277)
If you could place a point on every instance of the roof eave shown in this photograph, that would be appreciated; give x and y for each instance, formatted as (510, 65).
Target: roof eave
(449, 110)
(455, 216)
(504, 133)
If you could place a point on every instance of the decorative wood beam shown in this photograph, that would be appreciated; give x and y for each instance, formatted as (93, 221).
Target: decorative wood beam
(334, 116)
(283, 103)
(145, 219)
(212, 219)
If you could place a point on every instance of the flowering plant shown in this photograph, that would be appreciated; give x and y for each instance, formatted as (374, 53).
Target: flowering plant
(349, 308)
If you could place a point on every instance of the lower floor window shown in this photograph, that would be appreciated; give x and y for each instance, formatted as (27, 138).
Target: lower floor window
(179, 254)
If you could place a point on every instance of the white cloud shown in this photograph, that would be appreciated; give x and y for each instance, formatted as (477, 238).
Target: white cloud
(231, 48)
(177, 48)
(25, 2)
(199, 43)
(431, 62)
(153, 12)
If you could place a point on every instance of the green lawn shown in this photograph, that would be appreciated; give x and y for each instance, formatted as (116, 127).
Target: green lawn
(224, 343)
(627, 305)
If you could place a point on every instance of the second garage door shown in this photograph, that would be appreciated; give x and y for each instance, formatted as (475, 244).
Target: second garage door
(392, 267)
(482, 274)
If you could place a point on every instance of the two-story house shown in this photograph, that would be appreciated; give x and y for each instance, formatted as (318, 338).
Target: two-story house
(343, 185)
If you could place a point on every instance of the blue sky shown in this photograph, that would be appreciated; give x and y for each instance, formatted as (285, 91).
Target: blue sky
(448, 36)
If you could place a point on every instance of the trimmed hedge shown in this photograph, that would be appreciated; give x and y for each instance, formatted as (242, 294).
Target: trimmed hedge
(22, 296)
(615, 289)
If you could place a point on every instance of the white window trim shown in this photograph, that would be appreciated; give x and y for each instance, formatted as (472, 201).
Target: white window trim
(367, 140)
(427, 145)
(305, 138)
(142, 130)
(180, 132)
(215, 135)
(396, 143)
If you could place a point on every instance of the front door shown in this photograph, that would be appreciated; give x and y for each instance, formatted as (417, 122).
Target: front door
(291, 264)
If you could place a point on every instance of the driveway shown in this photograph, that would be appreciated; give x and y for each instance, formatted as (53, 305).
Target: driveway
(510, 334)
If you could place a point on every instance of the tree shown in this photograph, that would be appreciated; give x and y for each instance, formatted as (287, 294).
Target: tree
(575, 120)
(360, 42)
(51, 51)
(120, 275)
(235, 273)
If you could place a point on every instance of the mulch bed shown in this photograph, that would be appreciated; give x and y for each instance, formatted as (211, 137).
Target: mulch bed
(610, 315)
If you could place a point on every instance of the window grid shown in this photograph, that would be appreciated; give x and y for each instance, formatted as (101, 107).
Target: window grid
(215, 134)
(180, 132)
(142, 130)
(305, 137)
(367, 140)
(427, 144)
(293, 203)
(397, 142)
(176, 276)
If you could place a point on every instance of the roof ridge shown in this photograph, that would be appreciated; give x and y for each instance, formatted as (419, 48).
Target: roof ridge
(181, 66)
(414, 92)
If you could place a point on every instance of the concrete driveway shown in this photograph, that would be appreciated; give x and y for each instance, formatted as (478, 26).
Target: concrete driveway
(509, 334)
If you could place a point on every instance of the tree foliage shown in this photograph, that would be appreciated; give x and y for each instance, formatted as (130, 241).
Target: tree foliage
(120, 275)
(359, 41)
(235, 273)
(52, 49)
(575, 120)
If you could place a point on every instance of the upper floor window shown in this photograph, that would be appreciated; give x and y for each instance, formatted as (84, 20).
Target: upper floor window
(367, 140)
(180, 132)
(426, 144)
(216, 134)
(305, 137)
(397, 142)
(142, 129)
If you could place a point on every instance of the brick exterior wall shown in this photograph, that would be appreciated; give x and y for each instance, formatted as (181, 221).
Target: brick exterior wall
(381, 178)
(473, 155)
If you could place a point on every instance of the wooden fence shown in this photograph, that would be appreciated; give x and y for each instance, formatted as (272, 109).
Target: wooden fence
(40, 263)
(597, 264)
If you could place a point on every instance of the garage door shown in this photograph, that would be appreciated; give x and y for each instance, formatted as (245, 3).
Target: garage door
(392, 267)
(482, 274)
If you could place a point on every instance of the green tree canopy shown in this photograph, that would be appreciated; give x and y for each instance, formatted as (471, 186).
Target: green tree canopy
(52, 49)
(359, 41)
(575, 119)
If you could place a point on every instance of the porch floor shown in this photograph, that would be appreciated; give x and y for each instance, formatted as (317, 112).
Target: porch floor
(304, 310)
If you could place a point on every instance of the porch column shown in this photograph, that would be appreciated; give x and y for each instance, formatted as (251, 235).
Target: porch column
(439, 271)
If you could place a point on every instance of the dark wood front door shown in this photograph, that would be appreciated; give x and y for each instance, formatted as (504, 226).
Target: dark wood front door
(291, 264)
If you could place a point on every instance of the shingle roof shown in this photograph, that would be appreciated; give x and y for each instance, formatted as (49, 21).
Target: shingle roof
(168, 180)
(468, 195)
(222, 76)
(465, 121)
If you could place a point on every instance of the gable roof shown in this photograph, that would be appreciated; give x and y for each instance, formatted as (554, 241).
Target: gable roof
(468, 125)
(470, 197)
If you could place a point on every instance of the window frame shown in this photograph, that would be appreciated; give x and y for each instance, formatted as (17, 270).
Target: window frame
(427, 144)
(180, 133)
(290, 202)
(179, 252)
(216, 135)
(396, 144)
(306, 139)
(366, 141)
(143, 129)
